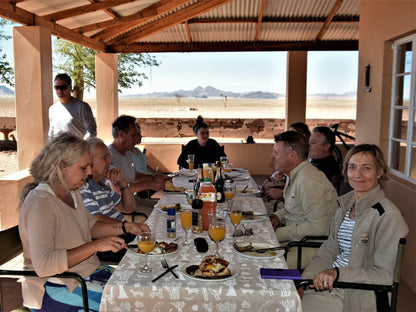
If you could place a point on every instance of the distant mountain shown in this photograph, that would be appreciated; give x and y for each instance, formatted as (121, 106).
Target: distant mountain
(6, 92)
(211, 92)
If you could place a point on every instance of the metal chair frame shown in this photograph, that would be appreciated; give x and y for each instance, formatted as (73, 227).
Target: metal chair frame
(381, 291)
(11, 246)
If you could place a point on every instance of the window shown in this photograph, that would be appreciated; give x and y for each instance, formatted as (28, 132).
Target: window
(402, 145)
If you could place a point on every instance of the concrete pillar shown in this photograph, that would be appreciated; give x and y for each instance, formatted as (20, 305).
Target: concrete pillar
(33, 90)
(296, 87)
(106, 76)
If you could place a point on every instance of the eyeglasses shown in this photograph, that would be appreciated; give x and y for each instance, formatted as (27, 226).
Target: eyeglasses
(63, 87)
(247, 232)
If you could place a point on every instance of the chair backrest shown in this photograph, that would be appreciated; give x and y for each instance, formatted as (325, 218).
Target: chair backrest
(10, 244)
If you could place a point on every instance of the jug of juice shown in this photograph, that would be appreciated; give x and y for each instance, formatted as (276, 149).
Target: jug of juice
(208, 195)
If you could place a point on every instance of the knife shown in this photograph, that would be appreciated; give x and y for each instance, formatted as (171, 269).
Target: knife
(164, 273)
(261, 250)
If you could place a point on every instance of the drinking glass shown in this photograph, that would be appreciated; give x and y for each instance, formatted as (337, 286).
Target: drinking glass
(216, 230)
(191, 161)
(186, 222)
(235, 215)
(228, 167)
(146, 243)
(229, 192)
(223, 160)
(190, 195)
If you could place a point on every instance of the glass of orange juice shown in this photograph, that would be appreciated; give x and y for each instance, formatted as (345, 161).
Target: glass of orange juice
(229, 192)
(216, 230)
(235, 215)
(146, 243)
(191, 161)
(186, 222)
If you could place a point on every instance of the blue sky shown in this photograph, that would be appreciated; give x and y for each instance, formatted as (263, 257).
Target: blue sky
(328, 72)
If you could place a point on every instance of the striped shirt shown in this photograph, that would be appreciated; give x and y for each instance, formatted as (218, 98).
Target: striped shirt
(100, 199)
(344, 241)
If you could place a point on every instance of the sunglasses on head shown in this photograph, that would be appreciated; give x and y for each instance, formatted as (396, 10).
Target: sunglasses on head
(63, 87)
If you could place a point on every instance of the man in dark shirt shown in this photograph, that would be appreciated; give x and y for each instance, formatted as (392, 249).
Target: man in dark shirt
(321, 147)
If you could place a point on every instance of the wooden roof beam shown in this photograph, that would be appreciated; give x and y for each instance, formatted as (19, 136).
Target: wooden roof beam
(138, 18)
(170, 20)
(248, 46)
(188, 32)
(89, 8)
(259, 20)
(109, 11)
(331, 15)
(26, 18)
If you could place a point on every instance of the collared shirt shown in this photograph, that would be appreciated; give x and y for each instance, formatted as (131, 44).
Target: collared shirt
(100, 199)
(140, 161)
(310, 204)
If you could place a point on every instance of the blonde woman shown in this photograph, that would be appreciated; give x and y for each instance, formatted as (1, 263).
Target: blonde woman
(57, 231)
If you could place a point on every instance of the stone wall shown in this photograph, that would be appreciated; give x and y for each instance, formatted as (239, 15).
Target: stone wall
(231, 128)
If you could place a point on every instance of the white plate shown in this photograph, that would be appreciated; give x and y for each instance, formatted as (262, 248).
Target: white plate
(234, 273)
(253, 218)
(254, 255)
(177, 212)
(241, 178)
(134, 252)
(247, 193)
(186, 173)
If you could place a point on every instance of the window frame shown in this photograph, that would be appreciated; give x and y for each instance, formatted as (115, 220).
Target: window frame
(409, 142)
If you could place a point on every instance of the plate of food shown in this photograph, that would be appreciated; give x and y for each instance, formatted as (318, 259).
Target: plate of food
(169, 187)
(211, 269)
(258, 250)
(250, 216)
(161, 249)
(164, 208)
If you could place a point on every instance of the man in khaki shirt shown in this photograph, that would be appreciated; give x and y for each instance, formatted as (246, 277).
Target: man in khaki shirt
(310, 199)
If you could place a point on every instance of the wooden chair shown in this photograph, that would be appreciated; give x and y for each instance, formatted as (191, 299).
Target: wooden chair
(11, 246)
(381, 291)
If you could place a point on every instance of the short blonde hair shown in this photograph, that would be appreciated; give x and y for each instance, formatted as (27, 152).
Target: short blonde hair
(65, 148)
(371, 149)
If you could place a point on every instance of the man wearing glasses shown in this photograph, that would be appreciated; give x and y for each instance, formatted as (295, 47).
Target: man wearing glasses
(70, 114)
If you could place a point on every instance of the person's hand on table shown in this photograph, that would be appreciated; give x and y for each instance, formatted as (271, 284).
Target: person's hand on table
(137, 228)
(155, 185)
(275, 221)
(274, 193)
(324, 280)
(110, 243)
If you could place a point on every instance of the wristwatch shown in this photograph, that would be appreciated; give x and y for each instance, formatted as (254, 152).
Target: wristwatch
(123, 227)
(125, 187)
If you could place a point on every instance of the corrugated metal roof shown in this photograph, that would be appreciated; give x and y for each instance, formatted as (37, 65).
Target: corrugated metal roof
(133, 25)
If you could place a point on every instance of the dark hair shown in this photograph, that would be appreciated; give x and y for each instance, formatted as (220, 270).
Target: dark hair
(301, 128)
(199, 124)
(372, 149)
(122, 123)
(64, 77)
(329, 136)
(296, 141)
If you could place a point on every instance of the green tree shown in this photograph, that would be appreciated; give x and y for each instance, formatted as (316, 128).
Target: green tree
(6, 70)
(79, 62)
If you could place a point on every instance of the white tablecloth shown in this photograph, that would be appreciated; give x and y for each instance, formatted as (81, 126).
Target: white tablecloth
(130, 290)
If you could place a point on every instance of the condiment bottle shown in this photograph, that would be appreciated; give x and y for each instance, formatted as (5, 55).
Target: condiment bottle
(171, 223)
(208, 196)
(196, 216)
(219, 184)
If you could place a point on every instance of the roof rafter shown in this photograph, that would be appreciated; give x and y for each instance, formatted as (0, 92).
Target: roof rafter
(335, 45)
(24, 17)
(127, 23)
(331, 15)
(171, 20)
(259, 20)
(95, 6)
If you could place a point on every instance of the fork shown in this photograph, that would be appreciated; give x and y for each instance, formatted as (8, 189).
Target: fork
(165, 265)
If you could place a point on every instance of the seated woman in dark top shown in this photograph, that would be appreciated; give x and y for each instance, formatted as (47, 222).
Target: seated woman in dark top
(206, 150)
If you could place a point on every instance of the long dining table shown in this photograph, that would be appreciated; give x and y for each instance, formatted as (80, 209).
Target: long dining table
(130, 290)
